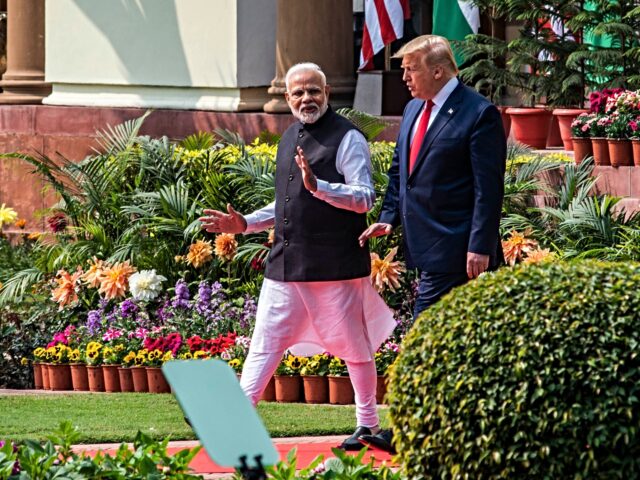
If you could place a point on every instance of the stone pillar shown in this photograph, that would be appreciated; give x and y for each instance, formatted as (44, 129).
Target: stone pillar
(318, 31)
(23, 82)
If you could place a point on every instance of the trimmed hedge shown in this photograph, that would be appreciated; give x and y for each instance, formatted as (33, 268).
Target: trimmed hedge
(532, 372)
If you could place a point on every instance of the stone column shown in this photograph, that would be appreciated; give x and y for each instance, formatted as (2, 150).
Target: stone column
(318, 31)
(23, 82)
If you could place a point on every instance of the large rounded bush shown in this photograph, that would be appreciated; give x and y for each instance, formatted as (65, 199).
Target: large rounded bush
(532, 372)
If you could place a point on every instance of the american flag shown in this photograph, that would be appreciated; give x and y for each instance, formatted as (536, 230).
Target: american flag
(383, 23)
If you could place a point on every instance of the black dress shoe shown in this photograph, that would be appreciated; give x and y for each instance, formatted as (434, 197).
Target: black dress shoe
(352, 442)
(382, 440)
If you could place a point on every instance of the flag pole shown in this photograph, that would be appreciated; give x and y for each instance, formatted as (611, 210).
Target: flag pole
(387, 57)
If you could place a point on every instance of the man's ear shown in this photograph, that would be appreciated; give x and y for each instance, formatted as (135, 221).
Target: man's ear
(327, 91)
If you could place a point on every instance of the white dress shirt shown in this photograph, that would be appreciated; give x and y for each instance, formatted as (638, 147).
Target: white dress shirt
(438, 101)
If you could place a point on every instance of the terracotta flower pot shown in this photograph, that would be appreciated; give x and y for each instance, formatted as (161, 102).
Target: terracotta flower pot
(620, 152)
(316, 389)
(288, 388)
(565, 117)
(581, 149)
(139, 377)
(111, 378)
(269, 394)
(156, 381)
(126, 379)
(37, 375)
(600, 147)
(635, 146)
(381, 388)
(554, 139)
(60, 377)
(96, 378)
(44, 367)
(340, 391)
(506, 120)
(530, 125)
(79, 377)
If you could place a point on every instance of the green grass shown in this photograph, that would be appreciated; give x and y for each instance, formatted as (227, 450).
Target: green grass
(117, 417)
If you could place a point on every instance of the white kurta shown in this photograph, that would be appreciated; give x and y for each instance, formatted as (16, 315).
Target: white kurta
(346, 318)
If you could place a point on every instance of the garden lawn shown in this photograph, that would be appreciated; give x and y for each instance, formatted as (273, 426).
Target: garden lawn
(116, 417)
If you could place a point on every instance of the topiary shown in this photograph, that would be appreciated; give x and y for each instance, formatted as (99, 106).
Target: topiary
(530, 372)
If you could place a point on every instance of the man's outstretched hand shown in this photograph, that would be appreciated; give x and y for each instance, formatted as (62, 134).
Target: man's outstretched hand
(374, 230)
(308, 177)
(216, 221)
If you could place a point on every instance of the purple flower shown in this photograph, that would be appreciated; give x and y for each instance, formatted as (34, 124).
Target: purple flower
(128, 308)
(203, 305)
(94, 321)
(181, 299)
(248, 315)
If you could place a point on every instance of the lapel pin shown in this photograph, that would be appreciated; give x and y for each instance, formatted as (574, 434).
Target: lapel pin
(450, 111)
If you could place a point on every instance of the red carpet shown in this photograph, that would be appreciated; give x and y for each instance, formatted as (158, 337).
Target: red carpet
(306, 453)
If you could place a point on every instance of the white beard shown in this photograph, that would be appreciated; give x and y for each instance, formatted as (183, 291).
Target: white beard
(311, 117)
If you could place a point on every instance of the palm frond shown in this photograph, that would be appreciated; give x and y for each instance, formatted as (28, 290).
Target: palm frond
(370, 125)
(122, 136)
(14, 289)
(198, 141)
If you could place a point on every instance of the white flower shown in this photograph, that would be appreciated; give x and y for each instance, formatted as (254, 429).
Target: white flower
(145, 285)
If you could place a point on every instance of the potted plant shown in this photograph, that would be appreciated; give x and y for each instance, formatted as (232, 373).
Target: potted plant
(39, 355)
(340, 388)
(93, 359)
(314, 379)
(599, 141)
(79, 377)
(139, 371)
(618, 133)
(156, 380)
(112, 356)
(634, 128)
(124, 372)
(59, 371)
(581, 136)
(287, 378)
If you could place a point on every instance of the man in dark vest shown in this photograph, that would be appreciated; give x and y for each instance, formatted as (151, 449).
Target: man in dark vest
(316, 294)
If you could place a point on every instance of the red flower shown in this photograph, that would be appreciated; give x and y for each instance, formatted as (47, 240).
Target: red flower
(57, 222)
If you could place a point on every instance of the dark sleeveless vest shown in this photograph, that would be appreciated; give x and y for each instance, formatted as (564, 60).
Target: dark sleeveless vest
(314, 241)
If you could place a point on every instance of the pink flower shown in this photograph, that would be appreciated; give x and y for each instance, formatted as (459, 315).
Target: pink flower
(111, 334)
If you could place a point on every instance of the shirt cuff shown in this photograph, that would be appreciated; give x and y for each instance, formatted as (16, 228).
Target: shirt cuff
(322, 188)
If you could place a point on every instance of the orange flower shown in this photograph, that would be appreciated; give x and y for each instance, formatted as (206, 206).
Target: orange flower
(114, 280)
(93, 276)
(517, 245)
(539, 255)
(34, 236)
(21, 223)
(199, 253)
(385, 272)
(226, 246)
(67, 290)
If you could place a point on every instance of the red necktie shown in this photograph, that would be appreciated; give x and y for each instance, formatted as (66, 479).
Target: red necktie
(419, 136)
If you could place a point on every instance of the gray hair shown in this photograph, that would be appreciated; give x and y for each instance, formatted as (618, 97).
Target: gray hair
(304, 67)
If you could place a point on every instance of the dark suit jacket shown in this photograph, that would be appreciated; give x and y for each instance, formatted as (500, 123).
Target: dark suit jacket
(451, 202)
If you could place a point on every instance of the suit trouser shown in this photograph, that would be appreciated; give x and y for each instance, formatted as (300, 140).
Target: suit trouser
(432, 286)
(259, 367)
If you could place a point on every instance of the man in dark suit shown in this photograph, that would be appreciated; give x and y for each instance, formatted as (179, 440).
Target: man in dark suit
(446, 180)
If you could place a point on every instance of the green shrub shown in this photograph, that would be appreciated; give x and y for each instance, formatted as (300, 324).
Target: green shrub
(530, 372)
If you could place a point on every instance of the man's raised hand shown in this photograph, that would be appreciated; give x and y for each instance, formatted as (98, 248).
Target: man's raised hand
(374, 230)
(216, 221)
(308, 177)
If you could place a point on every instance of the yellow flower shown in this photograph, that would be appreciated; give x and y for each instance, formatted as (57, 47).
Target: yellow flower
(7, 215)
(199, 253)
(39, 352)
(517, 245)
(167, 356)
(179, 259)
(94, 347)
(539, 255)
(74, 355)
(129, 358)
(66, 291)
(24, 361)
(93, 275)
(200, 354)
(385, 272)
(185, 356)
(226, 246)
(115, 280)
(235, 363)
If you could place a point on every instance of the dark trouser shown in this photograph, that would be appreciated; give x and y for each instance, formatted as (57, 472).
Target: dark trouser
(432, 286)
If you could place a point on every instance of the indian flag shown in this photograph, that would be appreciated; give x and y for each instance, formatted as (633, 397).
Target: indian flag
(455, 19)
